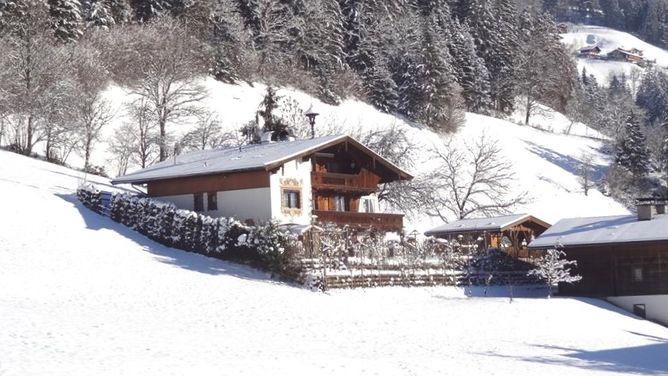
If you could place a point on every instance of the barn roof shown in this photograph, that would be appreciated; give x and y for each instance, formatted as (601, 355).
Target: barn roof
(497, 224)
(603, 230)
(267, 156)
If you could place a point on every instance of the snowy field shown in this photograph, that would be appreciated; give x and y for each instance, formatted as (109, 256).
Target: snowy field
(81, 295)
(607, 39)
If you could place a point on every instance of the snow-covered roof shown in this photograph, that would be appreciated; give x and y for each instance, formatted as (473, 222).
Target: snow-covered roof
(603, 230)
(245, 158)
(481, 224)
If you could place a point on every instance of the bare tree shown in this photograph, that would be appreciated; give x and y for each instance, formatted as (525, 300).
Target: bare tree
(585, 172)
(33, 71)
(472, 179)
(162, 63)
(207, 134)
(144, 129)
(122, 147)
(90, 110)
(553, 268)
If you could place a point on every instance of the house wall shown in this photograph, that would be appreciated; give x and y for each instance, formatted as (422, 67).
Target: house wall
(208, 183)
(242, 204)
(294, 175)
(619, 270)
(656, 306)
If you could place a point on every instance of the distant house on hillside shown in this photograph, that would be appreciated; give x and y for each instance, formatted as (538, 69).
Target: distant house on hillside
(632, 56)
(324, 179)
(509, 233)
(622, 258)
(590, 52)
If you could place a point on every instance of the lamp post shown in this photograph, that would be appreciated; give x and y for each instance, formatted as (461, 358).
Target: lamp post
(310, 114)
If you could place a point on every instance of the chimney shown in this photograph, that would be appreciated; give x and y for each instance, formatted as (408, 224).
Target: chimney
(644, 211)
(266, 137)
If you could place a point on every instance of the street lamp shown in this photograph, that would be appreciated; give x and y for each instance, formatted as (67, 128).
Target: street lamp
(310, 114)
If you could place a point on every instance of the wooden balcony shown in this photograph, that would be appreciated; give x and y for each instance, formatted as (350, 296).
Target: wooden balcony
(381, 221)
(364, 182)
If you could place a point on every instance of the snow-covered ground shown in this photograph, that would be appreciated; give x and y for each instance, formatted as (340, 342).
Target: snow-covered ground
(545, 159)
(81, 295)
(609, 39)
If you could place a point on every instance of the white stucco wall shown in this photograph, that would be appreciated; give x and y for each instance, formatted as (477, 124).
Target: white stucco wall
(242, 204)
(656, 306)
(301, 173)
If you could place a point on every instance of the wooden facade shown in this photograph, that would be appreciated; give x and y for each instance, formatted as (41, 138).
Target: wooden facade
(341, 176)
(621, 269)
(208, 183)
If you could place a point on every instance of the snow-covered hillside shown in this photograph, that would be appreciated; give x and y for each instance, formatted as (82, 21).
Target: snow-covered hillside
(82, 295)
(609, 39)
(545, 160)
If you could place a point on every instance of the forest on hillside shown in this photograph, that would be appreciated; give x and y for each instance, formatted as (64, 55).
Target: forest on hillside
(428, 60)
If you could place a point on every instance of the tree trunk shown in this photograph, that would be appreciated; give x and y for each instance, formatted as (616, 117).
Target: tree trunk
(163, 136)
(528, 114)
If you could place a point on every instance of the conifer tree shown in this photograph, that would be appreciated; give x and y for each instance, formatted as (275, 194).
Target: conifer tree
(67, 19)
(632, 151)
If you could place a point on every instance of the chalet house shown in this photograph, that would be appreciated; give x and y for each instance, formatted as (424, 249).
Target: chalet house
(324, 179)
(631, 56)
(509, 233)
(590, 52)
(621, 258)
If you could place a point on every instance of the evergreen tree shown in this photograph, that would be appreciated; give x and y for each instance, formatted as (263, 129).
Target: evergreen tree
(145, 10)
(470, 71)
(272, 123)
(632, 151)
(67, 19)
(97, 14)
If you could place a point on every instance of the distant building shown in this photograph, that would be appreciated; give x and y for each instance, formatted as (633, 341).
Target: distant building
(590, 52)
(631, 56)
(509, 233)
(325, 179)
(621, 258)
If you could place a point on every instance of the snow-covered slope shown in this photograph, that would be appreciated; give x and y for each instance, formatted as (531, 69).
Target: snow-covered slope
(544, 161)
(609, 39)
(81, 295)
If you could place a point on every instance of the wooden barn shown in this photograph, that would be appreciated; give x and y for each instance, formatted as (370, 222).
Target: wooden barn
(509, 233)
(621, 258)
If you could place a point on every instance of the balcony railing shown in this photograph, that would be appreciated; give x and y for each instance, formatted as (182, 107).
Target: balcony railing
(381, 221)
(364, 182)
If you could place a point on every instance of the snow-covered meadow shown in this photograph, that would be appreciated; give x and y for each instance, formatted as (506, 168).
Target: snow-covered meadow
(82, 295)
(545, 159)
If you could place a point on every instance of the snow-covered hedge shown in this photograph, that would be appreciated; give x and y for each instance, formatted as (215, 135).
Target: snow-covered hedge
(90, 197)
(263, 245)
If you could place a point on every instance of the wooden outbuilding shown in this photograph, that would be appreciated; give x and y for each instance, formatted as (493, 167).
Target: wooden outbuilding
(621, 258)
(509, 233)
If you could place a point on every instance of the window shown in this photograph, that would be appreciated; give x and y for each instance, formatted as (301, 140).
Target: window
(199, 202)
(368, 206)
(212, 201)
(636, 275)
(291, 199)
(339, 203)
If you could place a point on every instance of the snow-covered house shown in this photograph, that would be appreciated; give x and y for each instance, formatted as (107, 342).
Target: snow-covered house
(590, 52)
(324, 179)
(622, 258)
(632, 56)
(509, 233)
